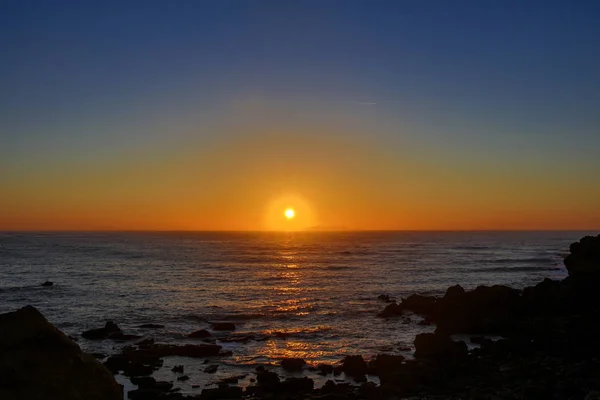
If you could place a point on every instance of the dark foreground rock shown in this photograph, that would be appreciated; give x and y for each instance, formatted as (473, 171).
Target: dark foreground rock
(37, 361)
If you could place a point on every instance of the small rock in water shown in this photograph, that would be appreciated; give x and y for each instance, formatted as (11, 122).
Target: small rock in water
(292, 364)
(223, 326)
(178, 369)
(211, 369)
(110, 329)
(47, 283)
(201, 334)
(385, 298)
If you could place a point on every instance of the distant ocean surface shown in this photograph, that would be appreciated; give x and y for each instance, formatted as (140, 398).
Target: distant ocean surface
(310, 295)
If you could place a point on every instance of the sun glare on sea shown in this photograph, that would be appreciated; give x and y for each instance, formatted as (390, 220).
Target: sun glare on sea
(290, 213)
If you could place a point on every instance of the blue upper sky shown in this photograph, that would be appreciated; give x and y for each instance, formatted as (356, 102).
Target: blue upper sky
(507, 76)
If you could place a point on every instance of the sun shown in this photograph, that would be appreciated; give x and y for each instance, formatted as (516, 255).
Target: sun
(290, 213)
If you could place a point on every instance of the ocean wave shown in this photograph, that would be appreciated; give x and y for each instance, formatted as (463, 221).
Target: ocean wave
(225, 317)
(513, 269)
(532, 260)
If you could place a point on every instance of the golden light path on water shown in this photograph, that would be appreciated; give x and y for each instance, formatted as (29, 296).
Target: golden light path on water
(291, 299)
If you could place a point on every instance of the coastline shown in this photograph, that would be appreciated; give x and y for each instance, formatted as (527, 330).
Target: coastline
(547, 348)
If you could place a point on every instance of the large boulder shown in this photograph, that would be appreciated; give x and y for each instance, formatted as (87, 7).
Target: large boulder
(38, 362)
(487, 309)
(585, 257)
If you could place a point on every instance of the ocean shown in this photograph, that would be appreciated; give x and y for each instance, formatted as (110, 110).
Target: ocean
(312, 295)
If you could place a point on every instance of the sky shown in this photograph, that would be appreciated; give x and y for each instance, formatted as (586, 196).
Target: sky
(220, 115)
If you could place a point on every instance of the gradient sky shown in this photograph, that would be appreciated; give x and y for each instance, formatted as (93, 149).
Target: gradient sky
(359, 114)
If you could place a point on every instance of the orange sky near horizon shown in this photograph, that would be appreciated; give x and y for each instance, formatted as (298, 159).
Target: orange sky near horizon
(333, 178)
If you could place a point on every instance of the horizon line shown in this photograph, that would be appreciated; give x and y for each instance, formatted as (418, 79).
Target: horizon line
(281, 231)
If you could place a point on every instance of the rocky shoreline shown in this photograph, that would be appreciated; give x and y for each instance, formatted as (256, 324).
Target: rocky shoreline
(548, 350)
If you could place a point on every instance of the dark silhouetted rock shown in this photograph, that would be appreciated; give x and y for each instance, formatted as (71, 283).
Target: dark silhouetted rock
(201, 334)
(267, 379)
(224, 392)
(110, 329)
(383, 363)
(297, 385)
(47, 284)
(152, 326)
(223, 326)
(183, 378)
(211, 369)
(178, 369)
(438, 346)
(354, 366)
(385, 298)
(391, 310)
(419, 304)
(487, 309)
(585, 257)
(325, 369)
(292, 364)
(40, 362)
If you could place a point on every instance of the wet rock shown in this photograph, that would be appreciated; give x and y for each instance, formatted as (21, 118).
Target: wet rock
(47, 284)
(40, 362)
(292, 364)
(354, 366)
(211, 369)
(223, 326)
(225, 392)
(297, 385)
(438, 346)
(151, 326)
(110, 328)
(201, 334)
(178, 369)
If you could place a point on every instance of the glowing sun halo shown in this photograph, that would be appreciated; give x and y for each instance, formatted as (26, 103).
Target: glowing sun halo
(289, 213)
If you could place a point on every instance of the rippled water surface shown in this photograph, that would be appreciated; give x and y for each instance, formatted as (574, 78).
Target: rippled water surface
(309, 295)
